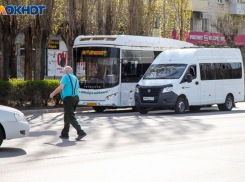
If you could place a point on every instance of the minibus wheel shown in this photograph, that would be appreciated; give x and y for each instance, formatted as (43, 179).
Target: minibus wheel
(142, 110)
(1, 136)
(227, 106)
(195, 108)
(180, 105)
(98, 108)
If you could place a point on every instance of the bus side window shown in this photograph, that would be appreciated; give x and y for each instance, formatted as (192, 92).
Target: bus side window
(135, 63)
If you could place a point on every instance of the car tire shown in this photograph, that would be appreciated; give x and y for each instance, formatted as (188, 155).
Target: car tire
(142, 110)
(98, 108)
(1, 136)
(228, 105)
(180, 106)
(195, 108)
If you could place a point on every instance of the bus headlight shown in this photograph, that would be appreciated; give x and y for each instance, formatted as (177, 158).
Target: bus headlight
(167, 89)
(111, 96)
(137, 90)
(19, 117)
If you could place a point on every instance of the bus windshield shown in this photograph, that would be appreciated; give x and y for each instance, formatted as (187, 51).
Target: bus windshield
(165, 71)
(97, 67)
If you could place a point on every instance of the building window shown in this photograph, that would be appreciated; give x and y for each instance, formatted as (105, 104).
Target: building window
(191, 25)
(204, 25)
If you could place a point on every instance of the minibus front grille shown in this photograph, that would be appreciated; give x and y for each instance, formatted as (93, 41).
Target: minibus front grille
(150, 91)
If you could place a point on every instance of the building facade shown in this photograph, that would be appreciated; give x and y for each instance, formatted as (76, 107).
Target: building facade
(205, 17)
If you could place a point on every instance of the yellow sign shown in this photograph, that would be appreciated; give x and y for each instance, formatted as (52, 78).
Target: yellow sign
(54, 44)
(91, 104)
(95, 53)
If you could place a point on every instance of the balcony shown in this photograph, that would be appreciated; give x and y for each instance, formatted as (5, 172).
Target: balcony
(237, 9)
(200, 6)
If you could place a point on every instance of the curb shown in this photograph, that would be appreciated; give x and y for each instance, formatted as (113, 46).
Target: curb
(43, 111)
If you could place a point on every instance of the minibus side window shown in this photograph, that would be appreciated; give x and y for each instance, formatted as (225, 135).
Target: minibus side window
(220, 71)
(207, 71)
(191, 70)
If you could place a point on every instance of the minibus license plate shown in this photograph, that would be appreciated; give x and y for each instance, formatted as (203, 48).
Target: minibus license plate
(148, 98)
(91, 104)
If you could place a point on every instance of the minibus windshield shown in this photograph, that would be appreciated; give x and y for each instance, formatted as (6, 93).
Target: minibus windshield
(165, 71)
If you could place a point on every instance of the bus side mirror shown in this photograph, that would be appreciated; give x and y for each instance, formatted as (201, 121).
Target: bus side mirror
(62, 62)
(114, 69)
(189, 78)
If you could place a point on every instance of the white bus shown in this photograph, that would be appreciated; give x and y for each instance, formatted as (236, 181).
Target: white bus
(109, 67)
(188, 79)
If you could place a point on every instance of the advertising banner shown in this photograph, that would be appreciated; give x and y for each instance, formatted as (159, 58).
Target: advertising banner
(54, 62)
(210, 38)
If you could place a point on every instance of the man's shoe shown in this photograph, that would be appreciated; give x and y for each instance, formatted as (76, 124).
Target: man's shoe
(80, 136)
(64, 137)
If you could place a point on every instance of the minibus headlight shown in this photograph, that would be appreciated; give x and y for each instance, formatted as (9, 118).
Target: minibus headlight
(136, 90)
(19, 117)
(167, 89)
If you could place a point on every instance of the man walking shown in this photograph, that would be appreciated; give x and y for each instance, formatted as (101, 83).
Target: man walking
(69, 92)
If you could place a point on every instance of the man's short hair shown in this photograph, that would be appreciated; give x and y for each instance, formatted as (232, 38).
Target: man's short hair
(68, 69)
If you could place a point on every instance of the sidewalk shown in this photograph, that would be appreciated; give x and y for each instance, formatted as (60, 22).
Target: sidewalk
(40, 111)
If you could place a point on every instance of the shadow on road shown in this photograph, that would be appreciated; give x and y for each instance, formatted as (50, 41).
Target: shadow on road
(42, 133)
(65, 143)
(11, 152)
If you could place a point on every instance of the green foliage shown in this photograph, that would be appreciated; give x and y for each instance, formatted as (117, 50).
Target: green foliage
(34, 92)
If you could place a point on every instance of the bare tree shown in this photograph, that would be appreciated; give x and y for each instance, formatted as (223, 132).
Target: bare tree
(229, 26)
(41, 30)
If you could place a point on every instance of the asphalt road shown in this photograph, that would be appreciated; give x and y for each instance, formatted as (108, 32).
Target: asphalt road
(126, 146)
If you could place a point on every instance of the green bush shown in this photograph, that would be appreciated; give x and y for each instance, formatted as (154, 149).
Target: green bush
(34, 92)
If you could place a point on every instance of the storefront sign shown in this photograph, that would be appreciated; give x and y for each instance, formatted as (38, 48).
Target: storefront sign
(210, 38)
(54, 44)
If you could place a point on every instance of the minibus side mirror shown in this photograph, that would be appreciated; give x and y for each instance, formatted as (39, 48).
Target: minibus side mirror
(62, 62)
(189, 78)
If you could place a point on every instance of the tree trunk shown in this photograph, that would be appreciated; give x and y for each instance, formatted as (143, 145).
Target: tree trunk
(13, 62)
(1, 52)
(43, 53)
(69, 48)
(108, 27)
(100, 18)
(28, 54)
(38, 61)
(6, 55)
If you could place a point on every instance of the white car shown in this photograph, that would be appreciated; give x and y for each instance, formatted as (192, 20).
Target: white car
(13, 124)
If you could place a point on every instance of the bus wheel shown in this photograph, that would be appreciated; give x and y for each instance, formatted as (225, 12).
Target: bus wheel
(180, 106)
(1, 136)
(142, 110)
(227, 106)
(195, 108)
(98, 108)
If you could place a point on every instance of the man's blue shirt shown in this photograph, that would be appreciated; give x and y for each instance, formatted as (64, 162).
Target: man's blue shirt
(67, 90)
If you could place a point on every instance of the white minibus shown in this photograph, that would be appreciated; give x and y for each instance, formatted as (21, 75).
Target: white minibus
(109, 67)
(188, 79)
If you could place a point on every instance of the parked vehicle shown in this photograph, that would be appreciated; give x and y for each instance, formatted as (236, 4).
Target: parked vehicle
(188, 79)
(13, 124)
(109, 67)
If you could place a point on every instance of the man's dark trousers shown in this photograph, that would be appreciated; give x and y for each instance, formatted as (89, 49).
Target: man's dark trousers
(70, 104)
